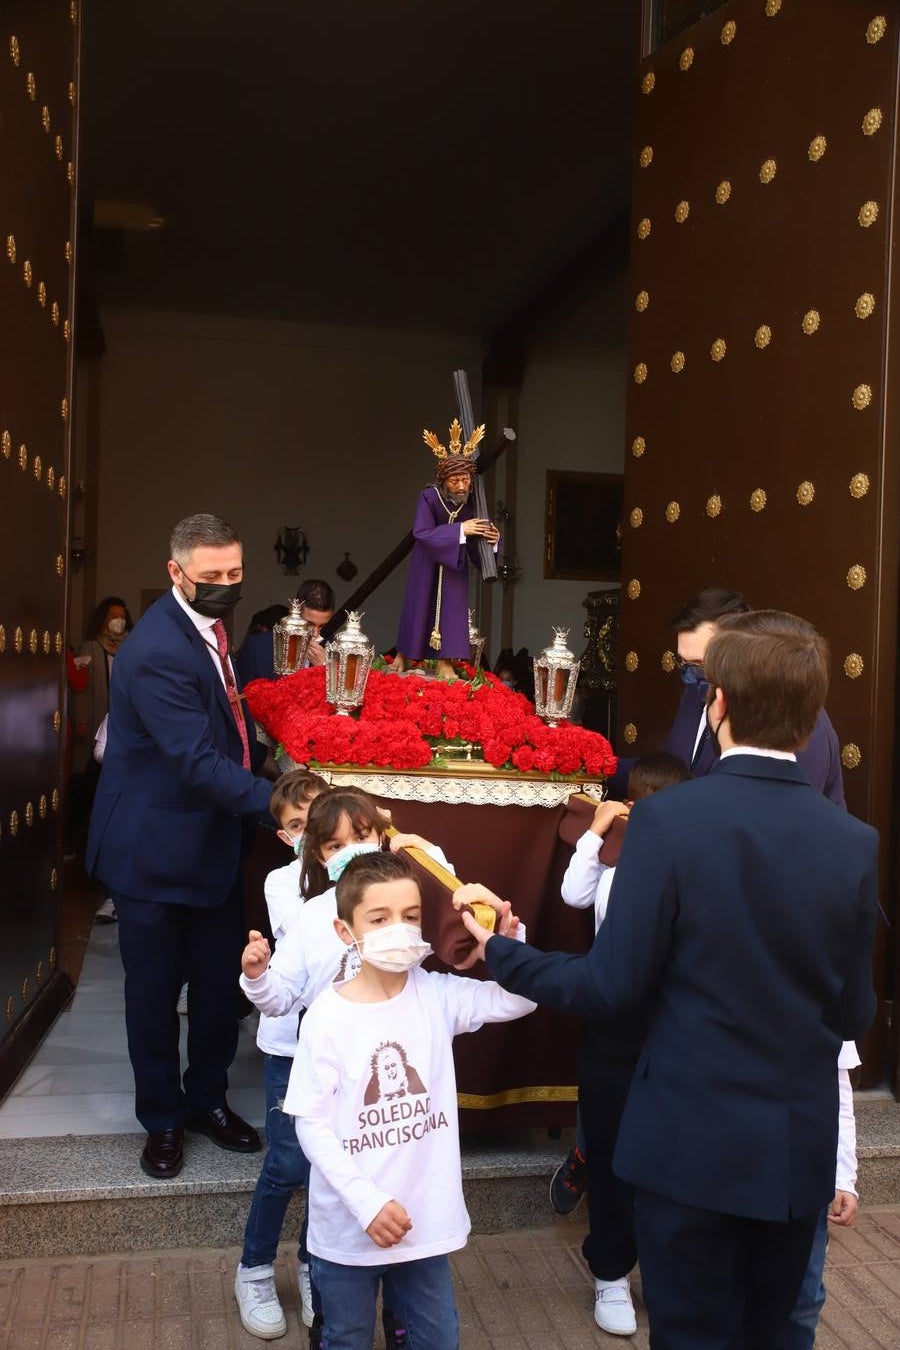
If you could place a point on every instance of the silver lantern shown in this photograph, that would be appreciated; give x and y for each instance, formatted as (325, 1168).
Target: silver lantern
(476, 641)
(348, 660)
(555, 677)
(291, 637)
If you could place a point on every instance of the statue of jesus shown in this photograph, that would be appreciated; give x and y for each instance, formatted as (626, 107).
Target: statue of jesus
(434, 622)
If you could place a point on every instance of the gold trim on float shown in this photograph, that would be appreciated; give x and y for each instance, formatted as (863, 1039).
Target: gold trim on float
(469, 1101)
(425, 860)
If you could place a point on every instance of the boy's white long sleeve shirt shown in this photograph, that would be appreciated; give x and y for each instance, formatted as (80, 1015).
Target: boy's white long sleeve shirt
(588, 881)
(845, 1172)
(309, 957)
(373, 1090)
(278, 1035)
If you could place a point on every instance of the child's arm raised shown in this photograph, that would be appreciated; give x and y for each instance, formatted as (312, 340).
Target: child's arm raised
(275, 984)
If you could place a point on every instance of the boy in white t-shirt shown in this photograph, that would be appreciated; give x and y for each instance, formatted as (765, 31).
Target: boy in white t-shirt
(373, 1090)
(284, 1167)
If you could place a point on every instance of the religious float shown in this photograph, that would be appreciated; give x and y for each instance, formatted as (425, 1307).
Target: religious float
(503, 785)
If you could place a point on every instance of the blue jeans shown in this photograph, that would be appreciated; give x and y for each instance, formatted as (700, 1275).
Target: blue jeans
(800, 1331)
(284, 1169)
(420, 1293)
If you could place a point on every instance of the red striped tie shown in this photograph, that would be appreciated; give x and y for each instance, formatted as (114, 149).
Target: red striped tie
(231, 689)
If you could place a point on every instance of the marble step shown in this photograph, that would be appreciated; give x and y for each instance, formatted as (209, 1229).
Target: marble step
(85, 1194)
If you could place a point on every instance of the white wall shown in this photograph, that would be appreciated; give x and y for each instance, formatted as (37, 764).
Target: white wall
(268, 424)
(571, 416)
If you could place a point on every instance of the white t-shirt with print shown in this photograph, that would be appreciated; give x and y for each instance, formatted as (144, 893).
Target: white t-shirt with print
(373, 1090)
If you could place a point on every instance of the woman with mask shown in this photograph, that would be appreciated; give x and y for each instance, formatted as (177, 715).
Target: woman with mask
(107, 629)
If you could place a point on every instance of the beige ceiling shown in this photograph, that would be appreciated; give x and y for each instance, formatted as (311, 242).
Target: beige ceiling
(403, 163)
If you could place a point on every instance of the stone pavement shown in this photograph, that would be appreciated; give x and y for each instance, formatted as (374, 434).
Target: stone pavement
(524, 1290)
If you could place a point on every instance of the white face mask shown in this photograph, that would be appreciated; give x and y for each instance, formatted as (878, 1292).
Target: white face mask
(116, 626)
(338, 861)
(395, 948)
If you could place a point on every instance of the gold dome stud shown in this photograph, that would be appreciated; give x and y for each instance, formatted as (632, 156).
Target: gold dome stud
(817, 147)
(633, 589)
(37, 468)
(876, 30)
(640, 372)
(767, 171)
(6, 444)
(67, 330)
(72, 93)
(58, 643)
(42, 295)
(714, 506)
(54, 878)
(57, 721)
(60, 565)
(727, 35)
(758, 499)
(631, 662)
(861, 397)
(853, 666)
(31, 85)
(51, 478)
(718, 349)
(648, 82)
(667, 661)
(641, 301)
(856, 577)
(810, 322)
(859, 485)
(723, 192)
(673, 511)
(29, 814)
(805, 492)
(46, 642)
(14, 823)
(23, 457)
(851, 756)
(64, 409)
(33, 642)
(645, 158)
(865, 305)
(54, 313)
(638, 446)
(763, 336)
(54, 799)
(677, 362)
(11, 247)
(629, 733)
(58, 148)
(42, 806)
(68, 251)
(686, 59)
(682, 211)
(18, 641)
(868, 214)
(636, 518)
(14, 50)
(27, 274)
(2, 638)
(772, 8)
(45, 118)
(644, 228)
(872, 121)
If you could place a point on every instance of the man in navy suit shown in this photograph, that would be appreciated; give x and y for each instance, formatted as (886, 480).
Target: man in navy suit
(176, 786)
(741, 921)
(689, 739)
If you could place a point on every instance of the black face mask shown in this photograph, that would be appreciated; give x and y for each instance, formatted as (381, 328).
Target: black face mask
(713, 731)
(213, 601)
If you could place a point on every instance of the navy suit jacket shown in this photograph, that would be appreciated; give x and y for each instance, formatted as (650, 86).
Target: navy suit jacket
(820, 758)
(741, 920)
(256, 659)
(166, 822)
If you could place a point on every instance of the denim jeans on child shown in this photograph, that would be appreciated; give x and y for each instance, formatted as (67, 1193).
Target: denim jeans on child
(800, 1331)
(284, 1169)
(420, 1293)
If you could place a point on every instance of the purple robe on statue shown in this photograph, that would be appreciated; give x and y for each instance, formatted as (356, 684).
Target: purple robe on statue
(437, 544)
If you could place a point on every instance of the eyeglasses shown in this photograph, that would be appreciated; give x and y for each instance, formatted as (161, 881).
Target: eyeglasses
(682, 664)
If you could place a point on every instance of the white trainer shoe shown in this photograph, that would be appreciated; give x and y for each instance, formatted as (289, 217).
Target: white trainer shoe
(304, 1284)
(613, 1308)
(261, 1313)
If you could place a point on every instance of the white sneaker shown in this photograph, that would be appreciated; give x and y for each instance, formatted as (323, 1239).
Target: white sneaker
(304, 1284)
(613, 1308)
(182, 1001)
(261, 1313)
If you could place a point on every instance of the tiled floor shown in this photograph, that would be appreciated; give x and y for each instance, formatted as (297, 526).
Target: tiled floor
(527, 1290)
(80, 1082)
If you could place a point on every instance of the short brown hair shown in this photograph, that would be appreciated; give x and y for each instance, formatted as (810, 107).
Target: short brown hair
(369, 869)
(773, 669)
(654, 772)
(294, 789)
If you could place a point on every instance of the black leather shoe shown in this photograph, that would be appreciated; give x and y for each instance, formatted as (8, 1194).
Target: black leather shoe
(162, 1156)
(226, 1129)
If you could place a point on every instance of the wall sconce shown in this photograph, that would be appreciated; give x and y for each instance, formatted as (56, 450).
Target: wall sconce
(291, 549)
(508, 569)
(348, 569)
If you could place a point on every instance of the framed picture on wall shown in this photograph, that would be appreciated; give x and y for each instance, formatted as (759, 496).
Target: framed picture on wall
(583, 526)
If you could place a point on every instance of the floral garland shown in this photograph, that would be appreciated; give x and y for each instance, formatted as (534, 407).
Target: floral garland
(402, 720)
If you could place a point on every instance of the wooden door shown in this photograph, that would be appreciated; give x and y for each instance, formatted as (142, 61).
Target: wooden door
(38, 137)
(762, 416)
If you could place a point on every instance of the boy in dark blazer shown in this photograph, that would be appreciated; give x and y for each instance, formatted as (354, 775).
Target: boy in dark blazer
(176, 786)
(741, 919)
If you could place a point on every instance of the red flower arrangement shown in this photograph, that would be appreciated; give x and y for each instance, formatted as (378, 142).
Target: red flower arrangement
(402, 720)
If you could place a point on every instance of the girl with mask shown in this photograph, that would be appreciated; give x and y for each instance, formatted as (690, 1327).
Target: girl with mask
(342, 824)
